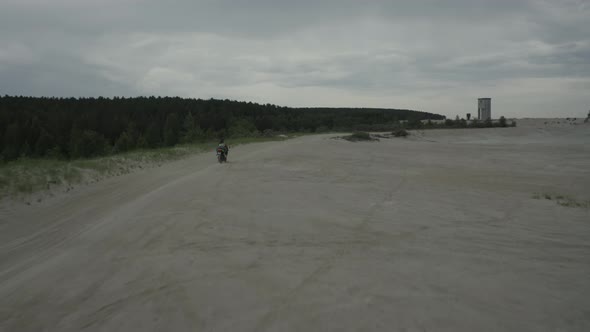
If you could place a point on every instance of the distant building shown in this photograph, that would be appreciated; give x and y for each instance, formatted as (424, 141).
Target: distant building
(484, 108)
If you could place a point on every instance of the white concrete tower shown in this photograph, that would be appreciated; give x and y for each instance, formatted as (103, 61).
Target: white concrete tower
(484, 108)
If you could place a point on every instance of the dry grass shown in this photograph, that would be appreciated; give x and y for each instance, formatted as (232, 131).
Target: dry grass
(563, 200)
(25, 176)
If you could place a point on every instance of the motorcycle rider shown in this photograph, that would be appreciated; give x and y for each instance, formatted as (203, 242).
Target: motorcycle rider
(223, 147)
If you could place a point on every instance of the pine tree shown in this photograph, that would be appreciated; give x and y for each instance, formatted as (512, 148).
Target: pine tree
(190, 129)
(44, 143)
(12, 142)
(123, 143)
(133, 135)
(171, 129)
(26, 150)
(152, 137)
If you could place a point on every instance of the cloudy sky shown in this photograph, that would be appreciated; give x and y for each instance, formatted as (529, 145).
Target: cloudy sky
(531, 56)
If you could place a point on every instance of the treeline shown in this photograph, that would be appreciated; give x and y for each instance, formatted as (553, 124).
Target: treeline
(87, 127)
(462, 123)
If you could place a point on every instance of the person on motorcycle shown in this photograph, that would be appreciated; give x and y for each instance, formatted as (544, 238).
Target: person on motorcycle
(223, 147)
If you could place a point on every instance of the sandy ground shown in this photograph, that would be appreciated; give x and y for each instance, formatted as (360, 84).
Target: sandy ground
(437, 232)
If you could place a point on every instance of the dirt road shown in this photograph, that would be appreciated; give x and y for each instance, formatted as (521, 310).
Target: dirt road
(437, 232)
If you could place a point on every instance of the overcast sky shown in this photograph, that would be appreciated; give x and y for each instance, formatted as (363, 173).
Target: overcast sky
(531, 57)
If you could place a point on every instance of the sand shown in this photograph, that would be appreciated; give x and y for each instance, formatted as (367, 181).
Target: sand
(436, 232)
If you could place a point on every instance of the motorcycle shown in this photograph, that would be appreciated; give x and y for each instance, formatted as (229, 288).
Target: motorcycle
(221, 156)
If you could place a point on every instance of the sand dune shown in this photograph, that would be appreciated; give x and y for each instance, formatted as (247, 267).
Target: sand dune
(437, 232)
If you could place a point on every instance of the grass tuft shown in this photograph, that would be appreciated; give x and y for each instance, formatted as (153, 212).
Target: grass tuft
(562, 200)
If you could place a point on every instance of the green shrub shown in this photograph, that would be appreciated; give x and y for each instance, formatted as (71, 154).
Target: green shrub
(361, 135)
(87, 143)
(400, 133)
(241, 128)
(322, 129)
(358, 136)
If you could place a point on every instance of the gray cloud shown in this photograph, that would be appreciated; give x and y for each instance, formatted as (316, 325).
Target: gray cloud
(428, 54)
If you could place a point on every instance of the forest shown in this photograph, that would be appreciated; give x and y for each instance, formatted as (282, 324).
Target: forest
(87, 127)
